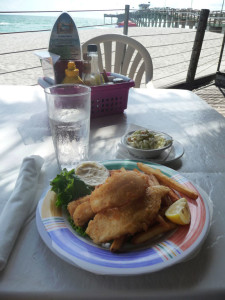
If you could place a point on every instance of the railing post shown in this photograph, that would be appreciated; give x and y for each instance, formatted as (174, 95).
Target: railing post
(197, 45)
(126, 19)
(125, 31)
(221, 53)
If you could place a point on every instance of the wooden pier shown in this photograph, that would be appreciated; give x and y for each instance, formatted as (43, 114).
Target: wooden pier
(170, 17)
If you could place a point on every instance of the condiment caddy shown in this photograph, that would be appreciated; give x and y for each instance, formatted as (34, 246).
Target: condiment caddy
(109, 91)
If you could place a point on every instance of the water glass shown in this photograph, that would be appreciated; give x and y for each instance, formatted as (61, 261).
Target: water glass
(69, 108)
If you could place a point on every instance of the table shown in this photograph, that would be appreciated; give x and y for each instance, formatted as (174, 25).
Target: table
(33, 271)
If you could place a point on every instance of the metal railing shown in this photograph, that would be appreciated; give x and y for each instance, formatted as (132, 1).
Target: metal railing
(171, 49)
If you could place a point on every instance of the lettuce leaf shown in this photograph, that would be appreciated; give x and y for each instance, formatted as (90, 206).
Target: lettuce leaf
(78, 229)
(68, 186)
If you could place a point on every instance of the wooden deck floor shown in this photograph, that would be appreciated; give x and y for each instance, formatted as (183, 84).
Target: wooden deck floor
(213, 95)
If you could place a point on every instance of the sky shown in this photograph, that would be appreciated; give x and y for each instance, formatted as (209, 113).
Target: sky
(59, 5)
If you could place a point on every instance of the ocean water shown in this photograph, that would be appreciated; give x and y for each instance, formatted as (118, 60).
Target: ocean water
(21, 23)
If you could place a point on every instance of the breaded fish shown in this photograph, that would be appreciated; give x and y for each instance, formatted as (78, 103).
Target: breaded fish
(83, 213)
(127, 219)
(118, 189)
(73, 204)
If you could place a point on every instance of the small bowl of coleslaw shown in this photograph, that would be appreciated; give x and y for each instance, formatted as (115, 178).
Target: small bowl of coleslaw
(146, 143)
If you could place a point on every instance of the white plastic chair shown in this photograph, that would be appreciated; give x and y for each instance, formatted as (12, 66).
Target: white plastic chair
(122, 54)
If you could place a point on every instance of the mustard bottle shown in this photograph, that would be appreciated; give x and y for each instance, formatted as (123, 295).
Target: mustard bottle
(72, 74)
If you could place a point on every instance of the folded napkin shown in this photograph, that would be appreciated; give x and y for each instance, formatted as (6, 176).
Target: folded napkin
(20, 204)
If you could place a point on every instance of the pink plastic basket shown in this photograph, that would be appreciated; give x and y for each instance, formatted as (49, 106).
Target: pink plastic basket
(110, 99)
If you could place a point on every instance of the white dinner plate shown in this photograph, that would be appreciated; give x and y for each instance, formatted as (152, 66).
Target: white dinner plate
(170, 249)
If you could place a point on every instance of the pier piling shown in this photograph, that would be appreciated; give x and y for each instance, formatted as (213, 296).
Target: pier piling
(170, 17)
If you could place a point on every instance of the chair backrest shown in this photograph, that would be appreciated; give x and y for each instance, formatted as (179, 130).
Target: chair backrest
(122, 54)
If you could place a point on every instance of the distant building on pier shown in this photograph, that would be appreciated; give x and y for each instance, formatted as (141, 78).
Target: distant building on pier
(144, 6)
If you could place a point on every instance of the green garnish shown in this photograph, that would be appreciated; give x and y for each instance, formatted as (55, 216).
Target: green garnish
(68, 187)
(78, 229)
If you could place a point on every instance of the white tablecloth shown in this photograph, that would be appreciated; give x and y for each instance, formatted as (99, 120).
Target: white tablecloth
(34, 271)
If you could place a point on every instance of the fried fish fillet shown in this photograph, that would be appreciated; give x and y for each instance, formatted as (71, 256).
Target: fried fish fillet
(74, 204)
(83, 213)
(127, 219)
(118, 189)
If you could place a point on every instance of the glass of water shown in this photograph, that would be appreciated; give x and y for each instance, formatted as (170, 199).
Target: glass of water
(69, 107)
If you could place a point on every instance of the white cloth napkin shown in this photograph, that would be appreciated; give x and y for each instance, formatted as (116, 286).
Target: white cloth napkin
(19, 206)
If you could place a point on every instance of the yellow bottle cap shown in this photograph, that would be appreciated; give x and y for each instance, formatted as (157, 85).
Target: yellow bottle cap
(71, 65)
(71, 70)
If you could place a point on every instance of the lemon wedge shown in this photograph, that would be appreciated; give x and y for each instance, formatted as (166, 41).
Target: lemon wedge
(179, 212)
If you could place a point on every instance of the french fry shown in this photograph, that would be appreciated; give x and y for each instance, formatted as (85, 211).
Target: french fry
(168, 181)
(161, 221)
(152, 232)
(117, 244)
(173, 196)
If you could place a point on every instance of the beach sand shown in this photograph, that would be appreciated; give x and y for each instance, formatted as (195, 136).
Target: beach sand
(170, 49)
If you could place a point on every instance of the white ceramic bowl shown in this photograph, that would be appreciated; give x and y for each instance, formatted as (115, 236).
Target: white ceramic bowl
(141, 153)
